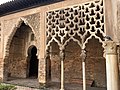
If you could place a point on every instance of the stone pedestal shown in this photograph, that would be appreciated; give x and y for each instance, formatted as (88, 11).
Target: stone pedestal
(111, 65)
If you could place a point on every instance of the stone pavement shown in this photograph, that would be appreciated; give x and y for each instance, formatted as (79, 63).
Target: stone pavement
(32, 84)
(27, 88)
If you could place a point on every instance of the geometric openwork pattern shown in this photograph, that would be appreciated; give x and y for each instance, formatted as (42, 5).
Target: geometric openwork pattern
(79, 23)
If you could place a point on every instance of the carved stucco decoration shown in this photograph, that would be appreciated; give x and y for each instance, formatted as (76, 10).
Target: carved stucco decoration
(9, 25)
(34, 21)
(110, 47)
(79, 23)
(9, 29)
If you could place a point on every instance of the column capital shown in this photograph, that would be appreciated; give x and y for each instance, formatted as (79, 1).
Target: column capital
(47, 53)
(83, 55)
(110, 47)
(62, 54)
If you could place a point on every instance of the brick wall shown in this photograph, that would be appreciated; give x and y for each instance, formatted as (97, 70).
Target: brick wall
(95, 63)
(16, 63)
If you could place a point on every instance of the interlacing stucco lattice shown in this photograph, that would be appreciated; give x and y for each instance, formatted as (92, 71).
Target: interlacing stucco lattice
(79, 23)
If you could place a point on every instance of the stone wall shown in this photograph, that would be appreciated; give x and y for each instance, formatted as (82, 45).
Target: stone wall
(95, 63)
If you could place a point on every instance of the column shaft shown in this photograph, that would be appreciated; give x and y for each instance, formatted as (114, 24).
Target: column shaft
(62, 56)
(83, 57)
(62, 75)
(84, 76)
(112, 65)
(112, 72)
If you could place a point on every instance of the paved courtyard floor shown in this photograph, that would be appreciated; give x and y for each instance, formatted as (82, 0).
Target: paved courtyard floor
(32, 84)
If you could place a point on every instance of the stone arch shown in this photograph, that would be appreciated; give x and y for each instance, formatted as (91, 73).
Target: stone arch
(14, 29)
(89, 38)
(8, 42)
(51, 41)
(74, 40)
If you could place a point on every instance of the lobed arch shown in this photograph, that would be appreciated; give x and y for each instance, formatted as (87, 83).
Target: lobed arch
(65, 44)
(81, 45)
(74, 40)
(89, 38)
(49, 43)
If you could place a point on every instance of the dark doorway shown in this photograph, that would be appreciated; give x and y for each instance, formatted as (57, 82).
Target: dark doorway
(33, 62)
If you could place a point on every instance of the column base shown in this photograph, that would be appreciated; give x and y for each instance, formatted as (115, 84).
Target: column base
(42, 85)
(61, 89)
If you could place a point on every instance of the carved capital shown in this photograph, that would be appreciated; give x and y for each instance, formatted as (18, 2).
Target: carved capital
(110, 47)
(47, 55)
(62, 54)
(83, 55)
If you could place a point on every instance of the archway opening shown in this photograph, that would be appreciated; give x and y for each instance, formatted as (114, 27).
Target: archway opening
(16, 61)
(73, 63)
(19, 63)
(95, 63)
(33, 62)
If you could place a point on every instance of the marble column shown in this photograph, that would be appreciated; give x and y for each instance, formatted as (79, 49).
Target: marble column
(111, 65)
(62, 57)
(83, 57)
